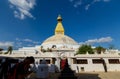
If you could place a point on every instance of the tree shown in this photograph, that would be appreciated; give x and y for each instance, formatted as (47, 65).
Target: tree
(10, 48)
(1, 50)
(84, 49)
(100, 49)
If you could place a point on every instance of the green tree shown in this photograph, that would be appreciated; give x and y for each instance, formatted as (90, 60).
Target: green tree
(100, 49)
(1, 50)
(10, 49)
(84, 49)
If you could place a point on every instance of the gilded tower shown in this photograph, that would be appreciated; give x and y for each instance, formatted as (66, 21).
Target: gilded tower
(59, 28)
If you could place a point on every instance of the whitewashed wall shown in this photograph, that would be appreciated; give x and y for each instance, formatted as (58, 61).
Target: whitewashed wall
(90, 67)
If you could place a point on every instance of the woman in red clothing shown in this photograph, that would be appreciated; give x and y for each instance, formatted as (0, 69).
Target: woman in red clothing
(62, 63)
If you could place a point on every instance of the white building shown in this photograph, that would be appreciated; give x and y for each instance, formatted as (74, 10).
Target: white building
(60, 45)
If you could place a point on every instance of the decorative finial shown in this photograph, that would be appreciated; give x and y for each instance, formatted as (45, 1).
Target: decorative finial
(59, 30)
(59, 18)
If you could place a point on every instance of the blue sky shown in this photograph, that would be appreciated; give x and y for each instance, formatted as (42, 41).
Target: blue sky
(30, 22)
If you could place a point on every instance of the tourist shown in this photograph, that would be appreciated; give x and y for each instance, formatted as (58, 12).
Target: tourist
(52, 70)
(43, 70)
(21, 70)
(5, 66)
(67, 72)
(63, 62)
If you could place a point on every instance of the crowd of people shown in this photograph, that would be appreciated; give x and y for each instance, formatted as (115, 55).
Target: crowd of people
(20, 70)
(23, 69)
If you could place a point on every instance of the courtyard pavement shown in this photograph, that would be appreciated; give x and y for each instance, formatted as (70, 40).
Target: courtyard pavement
(99, 75)
(89, 75)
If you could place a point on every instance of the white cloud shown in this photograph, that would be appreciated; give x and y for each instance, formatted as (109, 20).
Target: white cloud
(35, 42)
(18, 44)
(27, 40)
(17, 39)
(100, 40)
(106, 0)
(71, 0)
(96, 0)
(22, 8)
(93, 2)
(105, 39)
(6, 44)
(29, 45)
(86, 3)
(87, 6)
(78, 3)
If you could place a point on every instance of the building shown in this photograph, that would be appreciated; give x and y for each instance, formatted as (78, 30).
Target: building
(61, 45)
(59, 40)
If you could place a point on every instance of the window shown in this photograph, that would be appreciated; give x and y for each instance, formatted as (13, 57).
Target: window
(97, 61)
(53, 60)
(82, 61)
(74, 60)
(114, 61)
(82, 69)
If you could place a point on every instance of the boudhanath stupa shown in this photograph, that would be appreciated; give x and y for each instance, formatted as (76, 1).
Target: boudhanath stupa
(61, 46)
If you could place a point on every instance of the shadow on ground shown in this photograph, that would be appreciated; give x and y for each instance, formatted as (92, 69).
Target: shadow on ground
(88, 76)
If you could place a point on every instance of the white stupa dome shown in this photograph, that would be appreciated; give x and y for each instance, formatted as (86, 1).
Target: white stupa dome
(59, 39)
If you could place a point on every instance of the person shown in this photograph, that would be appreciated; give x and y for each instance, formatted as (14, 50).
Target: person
(52, 68)
(5, 66)
(43, 70)
(63, 62)
(33, 67)
(21, 69)
(67, 72)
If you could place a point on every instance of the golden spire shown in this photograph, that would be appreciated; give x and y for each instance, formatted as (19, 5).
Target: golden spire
(59, 28)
